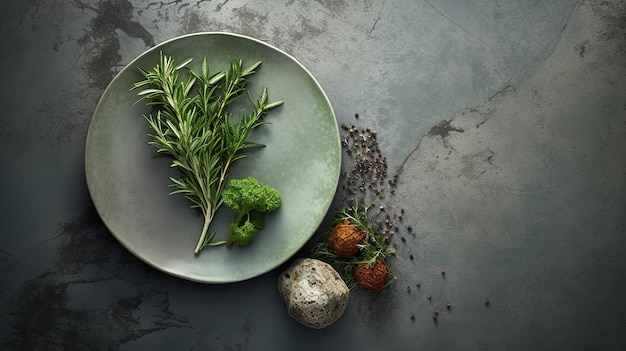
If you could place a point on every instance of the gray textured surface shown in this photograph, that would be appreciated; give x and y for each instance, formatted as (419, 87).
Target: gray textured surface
(505, 120)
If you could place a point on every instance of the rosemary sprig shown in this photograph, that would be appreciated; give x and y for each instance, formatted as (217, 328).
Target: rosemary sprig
(196, 130)
(373, 247)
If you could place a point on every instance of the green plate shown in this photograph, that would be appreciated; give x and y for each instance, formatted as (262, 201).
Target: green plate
(302, 160)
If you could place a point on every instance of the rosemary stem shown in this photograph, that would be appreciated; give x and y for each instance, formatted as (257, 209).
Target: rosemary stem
(208, 217)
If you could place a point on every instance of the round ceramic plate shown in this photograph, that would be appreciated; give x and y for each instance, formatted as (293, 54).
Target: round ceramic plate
(129, 187)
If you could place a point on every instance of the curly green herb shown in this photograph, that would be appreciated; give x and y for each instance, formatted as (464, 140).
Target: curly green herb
(192, 125)
(250, 201)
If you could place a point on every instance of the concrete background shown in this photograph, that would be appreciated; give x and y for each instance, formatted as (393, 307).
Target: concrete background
(504, 120)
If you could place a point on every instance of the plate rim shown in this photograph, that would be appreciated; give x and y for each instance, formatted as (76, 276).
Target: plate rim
(130, 65)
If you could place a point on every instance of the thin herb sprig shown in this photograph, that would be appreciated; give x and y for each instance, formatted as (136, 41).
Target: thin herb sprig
(195, 128)
(373, 248)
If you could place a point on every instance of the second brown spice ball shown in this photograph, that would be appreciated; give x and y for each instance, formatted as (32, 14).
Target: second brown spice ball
(372, 278)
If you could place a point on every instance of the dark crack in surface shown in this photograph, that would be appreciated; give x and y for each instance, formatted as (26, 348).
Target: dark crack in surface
(443, 129)
(48, 314)
(219, 6)
(161, 4)
(102, 40)
(42, 320)
(87, 242)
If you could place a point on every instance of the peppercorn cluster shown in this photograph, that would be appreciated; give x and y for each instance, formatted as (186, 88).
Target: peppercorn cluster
(368, 169)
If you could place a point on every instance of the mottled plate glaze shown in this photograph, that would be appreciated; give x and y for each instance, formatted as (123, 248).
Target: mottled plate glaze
(302, 160)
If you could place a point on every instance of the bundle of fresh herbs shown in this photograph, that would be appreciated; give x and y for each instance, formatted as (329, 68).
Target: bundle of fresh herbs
(192, 125)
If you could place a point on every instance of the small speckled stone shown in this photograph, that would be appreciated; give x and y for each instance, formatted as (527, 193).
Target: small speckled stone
(314, 293)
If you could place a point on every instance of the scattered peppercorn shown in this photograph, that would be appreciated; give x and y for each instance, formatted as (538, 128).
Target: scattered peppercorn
(411, 256)
(436, 312)
(448, 306)
(487, 302)
(443, 272)
(413, 317)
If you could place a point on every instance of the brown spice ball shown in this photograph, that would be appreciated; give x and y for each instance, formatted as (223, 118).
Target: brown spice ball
(372, 278)
(344, 239)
